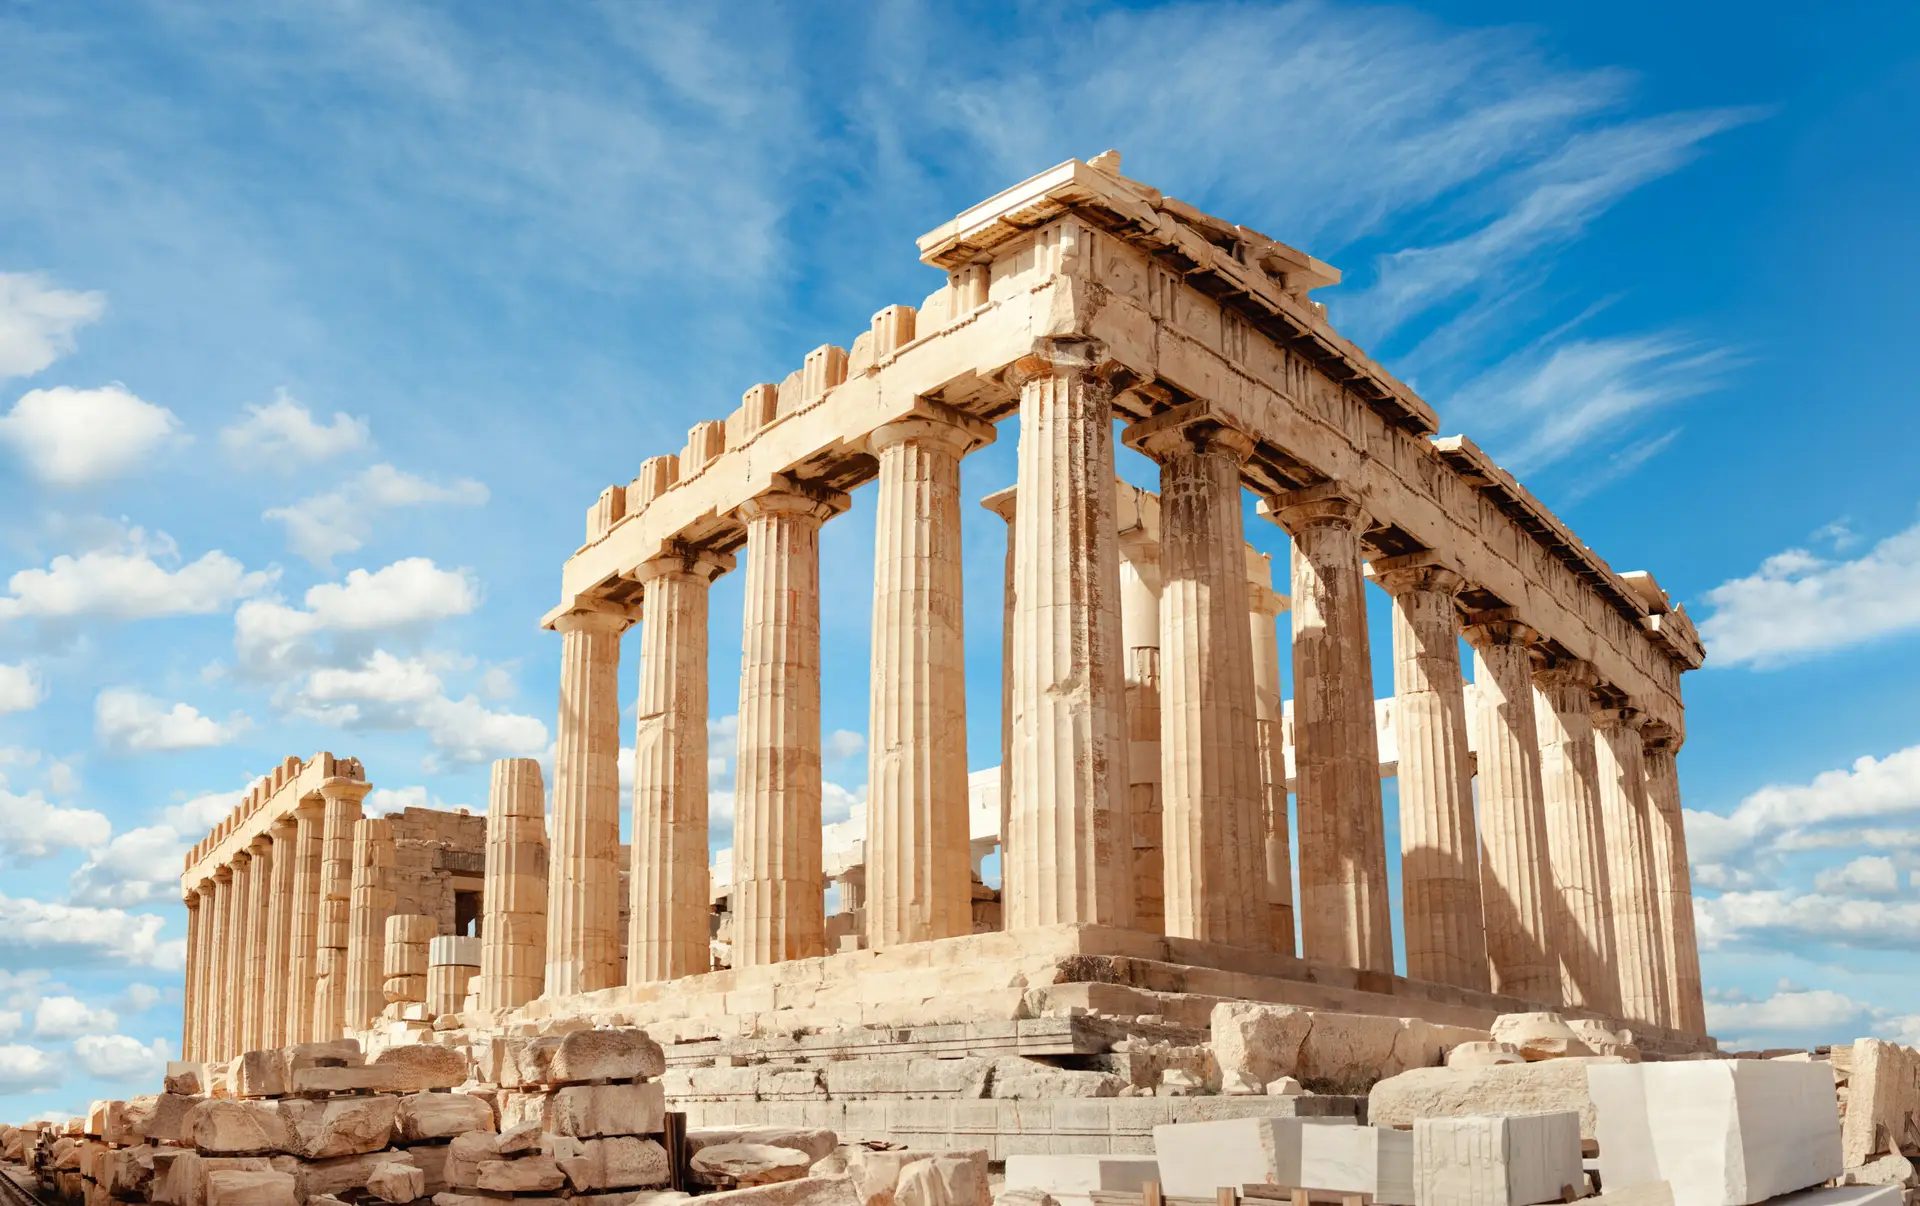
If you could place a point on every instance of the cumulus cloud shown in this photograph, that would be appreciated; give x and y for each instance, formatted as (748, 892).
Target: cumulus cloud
(50, 932)
(32, 827)
(200, 813)
(20, 688)
(25, 1069)
(844, 743)
(127, 580)
(37, 321)
(76, 437)
(1870, 874)
(284, 431)
(411, 594)
(10, 1022)
(70, 1017)
(135, 867)
(117, 1057)
(395, 693)
(127, 721)
(1797, 604)
(1806, 816)
(1778, 917)
(338, 521)
(142, 997)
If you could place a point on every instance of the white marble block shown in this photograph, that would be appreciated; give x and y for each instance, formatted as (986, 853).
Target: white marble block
(1721, 1132)
(1496, 1160)
(1198, 1158)
(1075, 1177)
(1359, 1159)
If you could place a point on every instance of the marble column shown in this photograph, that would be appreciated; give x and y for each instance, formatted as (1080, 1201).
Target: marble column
(583, 881)
(668, 937)
(200, 1021)
(1140, 637)
(919, 871)
(233, 1017)
(1576, 843)
(303, 921)
(280, 907)
(513, 928)
(1672, 878)
(1633, 904)
(1069, 833)
(259, 923)
(1345, 919)
(342, 812)
(191, 996)
(1439, 850)
(779, 906)
(1212, 814)
(219, 1000)
(1265, 605)
(1001, 503)
(1516, 877)
(372, 903)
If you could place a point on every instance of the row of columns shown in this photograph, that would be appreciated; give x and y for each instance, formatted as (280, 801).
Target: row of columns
(1573, 890)
(270, 947)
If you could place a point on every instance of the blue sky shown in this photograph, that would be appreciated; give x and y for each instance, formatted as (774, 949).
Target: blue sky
(321, 326)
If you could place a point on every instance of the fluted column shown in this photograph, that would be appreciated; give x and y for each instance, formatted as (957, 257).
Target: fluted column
(342, 812)
(1265, 606)
(200, 1023)
(919, 872)
(1633, 904)
(1001, 503)
(219, 1000)
(583, 880)
(1214, 825)
(1576, 844)
(303, 925)
(190, 998)
(259, 921)
(1439, 850)
(667, 936)
(513, 928)
(372, 903)
(278, 945)
(779, 908)
(1673, 881)
(1070, 834)
(1516, 877)
(1344, 911)
(1140, 637)
(233, 1019)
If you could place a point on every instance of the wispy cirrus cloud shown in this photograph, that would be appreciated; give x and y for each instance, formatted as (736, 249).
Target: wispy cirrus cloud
(38, 320)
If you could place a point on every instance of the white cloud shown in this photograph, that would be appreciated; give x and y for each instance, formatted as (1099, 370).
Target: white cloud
(409, 594)
(1871, 874)
(10, 1022)
(201, 813)
(1802, 1009)
(69, 1017)
(324, 526)
(135, 867)
(126, 581)
(845, 743)
(25, 1069)
(37, 321)
(394, 693)
(283, 431)
(1777, 916)
(1796, 604)
(20, 688)
(1782, 817)
(32, 827)
(75, 437)
(386, 801)
(128, 721)
(117, 1057)
(60, 933)
(142, 997)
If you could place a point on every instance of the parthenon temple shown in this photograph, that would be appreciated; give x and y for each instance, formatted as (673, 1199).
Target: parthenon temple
(1171, 831)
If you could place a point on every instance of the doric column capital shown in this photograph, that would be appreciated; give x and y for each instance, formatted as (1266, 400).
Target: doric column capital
(1001, 502)
(1416, 572)
(240, 858)
(1194, 427)
(351, 790)
(223, 874)
(933, 424)
(790, 497)
(1657, 736)
(283, 829)
(1568, 681)
(1610, 716)
(261, 844)
(1501, 626)
(594, 617)
(1061, 358)
(1327, 505)
(204, 887)
(1263, 600)
(704, 564)
(191, 898)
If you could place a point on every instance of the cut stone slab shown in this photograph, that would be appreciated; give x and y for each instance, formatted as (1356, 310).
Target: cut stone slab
(160, 1117)
(590, 1055)
(1081, 1174)
(1484, 1055)
(1504, 1160)
(219, 1127)
(1358, 1159)
(943, 1181)
(342, 1126)
(342, 1174)
(622, 1162)
(1259, 1042)
(441, 1116)
(185, 1077)
(465, 1155)
(817, 1142)
(392, 1182)
(528, 1174)
(1850, 1195)
(423, 1066)
(596, 1111)
(1720, 1132)
(740, 1165)
(1883, 1100)
(231, 1187)
(1539, 1036)
(1198, 1158)
(261, 1074)
(1537, 1088)
(807, 1191)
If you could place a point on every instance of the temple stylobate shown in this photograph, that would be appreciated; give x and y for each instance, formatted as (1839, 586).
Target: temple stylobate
(1543, 859)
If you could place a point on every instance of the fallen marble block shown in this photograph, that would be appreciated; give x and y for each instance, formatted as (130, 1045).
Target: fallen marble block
(1498, 1160)
(1077, 1176)
(1358, 1159)
(1198, 1158)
